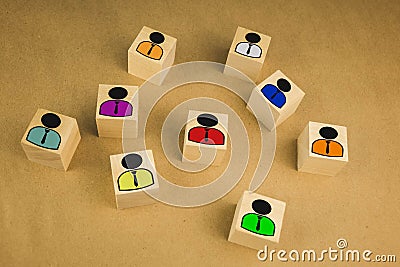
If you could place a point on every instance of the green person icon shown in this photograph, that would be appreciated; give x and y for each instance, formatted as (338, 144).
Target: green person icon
(134, 178)
(256, 222)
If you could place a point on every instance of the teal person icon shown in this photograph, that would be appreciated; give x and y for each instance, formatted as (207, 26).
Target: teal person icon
(256, 222)
(134, 178)
(45, 136)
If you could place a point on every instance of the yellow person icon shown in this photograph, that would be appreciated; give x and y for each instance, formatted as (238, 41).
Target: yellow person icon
(134, 178)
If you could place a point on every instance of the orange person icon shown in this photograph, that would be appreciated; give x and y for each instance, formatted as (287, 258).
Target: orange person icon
(152, 48)
(327, 146)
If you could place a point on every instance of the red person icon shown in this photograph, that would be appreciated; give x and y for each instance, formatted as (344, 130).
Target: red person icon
(206, 134)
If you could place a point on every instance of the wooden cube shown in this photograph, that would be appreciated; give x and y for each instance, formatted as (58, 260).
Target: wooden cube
(281, 94)
(205, 137)
(257, 219)
(133, 174)
(151, 52)
(51, 139)
(117, 109)
(247, 53)
(322, 149)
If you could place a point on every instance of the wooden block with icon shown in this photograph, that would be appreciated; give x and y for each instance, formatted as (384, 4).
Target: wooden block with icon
(281, 94)
(247, 53)
(133, 174)
(51, 139)
(257, 219)
(150, 53)
(117, 111)
(205, 139)
(322, 149)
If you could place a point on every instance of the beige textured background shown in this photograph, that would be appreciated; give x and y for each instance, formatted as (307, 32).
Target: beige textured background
(343, 54)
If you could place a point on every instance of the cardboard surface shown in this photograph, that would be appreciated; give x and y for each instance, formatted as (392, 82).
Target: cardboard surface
(343, 54)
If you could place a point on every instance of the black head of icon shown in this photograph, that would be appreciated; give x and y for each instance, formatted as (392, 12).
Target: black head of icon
(117, 93)
(261, 206)
(131, 161)
(50, 120)
(283, 85)
(207, 120)
(157, 37)
(328, 132)
(252, 37)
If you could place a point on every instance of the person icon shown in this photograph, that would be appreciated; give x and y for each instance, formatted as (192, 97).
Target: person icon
(327, 146)
(250, 48)
(151, 49)
(205, 134)
(134, 178)
(256, 222)
(275, 94)
(46, 137)
(116, 107)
